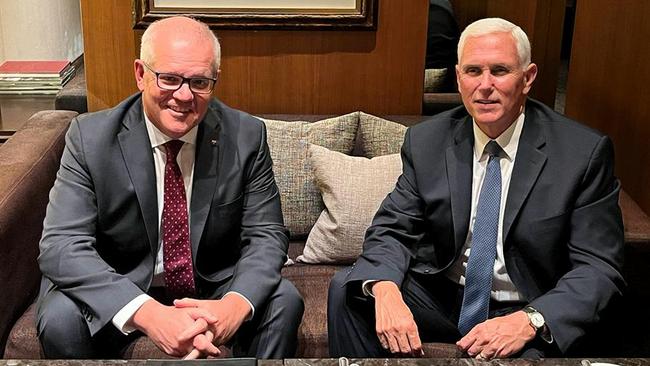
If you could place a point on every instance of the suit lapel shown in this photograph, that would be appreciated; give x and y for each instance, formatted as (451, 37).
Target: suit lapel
(459, 171)
(136, 151)
(528, 164)
(206, 165)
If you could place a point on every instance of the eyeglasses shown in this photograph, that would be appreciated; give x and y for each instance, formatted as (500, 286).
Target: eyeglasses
(173, 82)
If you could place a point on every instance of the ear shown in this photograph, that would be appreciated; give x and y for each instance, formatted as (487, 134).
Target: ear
(138, 69)
(529, 76)
(457, 68)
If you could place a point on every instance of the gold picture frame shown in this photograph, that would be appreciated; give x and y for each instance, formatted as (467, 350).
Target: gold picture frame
(263, 14)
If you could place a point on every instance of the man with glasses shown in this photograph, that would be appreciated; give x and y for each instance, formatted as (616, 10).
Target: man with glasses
(165, 220)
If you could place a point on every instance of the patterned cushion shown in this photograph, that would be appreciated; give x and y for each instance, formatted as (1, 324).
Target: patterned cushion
(352, 189)
(379, 136)
(301, 201)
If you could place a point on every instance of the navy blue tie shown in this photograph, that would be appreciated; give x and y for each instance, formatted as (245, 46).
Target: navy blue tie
(480, 265)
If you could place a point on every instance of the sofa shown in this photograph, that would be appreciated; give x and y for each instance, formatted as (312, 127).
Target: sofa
(29, 161)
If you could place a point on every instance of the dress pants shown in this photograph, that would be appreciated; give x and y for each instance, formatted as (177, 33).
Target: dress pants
(435, 302)
(271, 333)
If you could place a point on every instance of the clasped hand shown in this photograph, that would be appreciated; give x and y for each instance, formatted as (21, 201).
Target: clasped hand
(192, 328)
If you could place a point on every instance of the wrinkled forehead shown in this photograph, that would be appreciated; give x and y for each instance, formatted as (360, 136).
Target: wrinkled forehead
(491, 48)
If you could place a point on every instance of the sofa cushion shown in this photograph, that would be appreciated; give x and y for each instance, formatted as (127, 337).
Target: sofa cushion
(352, 188)
(301, 202)
(379, 136)
(312, 281)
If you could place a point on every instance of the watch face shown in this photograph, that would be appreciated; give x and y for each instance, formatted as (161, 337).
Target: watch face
(537, 320)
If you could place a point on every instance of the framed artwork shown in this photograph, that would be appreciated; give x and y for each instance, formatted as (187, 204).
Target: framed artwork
(263, 14)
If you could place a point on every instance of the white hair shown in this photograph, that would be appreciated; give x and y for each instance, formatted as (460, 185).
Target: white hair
(497, 25)
(146, 43)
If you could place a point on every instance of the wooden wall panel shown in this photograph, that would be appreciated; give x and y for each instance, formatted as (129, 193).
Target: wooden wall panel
(109, 51)
(608, 84)
(542, 20)
(318, 72)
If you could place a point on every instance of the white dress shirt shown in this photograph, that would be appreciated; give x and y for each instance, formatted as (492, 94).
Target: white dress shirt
(502, 287)
(185, 161)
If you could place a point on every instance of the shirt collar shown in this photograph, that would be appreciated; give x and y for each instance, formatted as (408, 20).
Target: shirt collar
(157, 137)
(508, 140)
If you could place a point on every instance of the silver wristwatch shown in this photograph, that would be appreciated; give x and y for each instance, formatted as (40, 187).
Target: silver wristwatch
(537, 321)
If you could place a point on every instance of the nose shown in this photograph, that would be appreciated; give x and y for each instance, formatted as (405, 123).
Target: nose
(485, 81)
(184, 93)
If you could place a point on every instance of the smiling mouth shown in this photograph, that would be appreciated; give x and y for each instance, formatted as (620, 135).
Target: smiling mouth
(179, 109)
(485, 101)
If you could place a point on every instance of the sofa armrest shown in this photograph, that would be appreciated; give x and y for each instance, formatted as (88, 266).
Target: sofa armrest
(29, 161)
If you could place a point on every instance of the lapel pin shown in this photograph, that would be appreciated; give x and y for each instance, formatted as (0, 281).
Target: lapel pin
(213, 142)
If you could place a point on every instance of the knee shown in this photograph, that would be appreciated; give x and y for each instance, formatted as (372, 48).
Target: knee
(337, 290)
(60, 325)
(289, 300)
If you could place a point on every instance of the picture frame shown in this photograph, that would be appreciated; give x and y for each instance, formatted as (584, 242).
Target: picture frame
(263, 14)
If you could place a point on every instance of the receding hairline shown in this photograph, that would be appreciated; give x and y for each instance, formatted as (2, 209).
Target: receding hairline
(194, 30)
(487, 26)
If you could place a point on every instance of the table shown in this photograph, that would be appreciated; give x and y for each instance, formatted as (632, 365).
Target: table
(335, 362)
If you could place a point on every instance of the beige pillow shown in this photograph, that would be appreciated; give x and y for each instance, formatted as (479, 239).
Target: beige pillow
(352, 188)
(380, 136)
(301, 201)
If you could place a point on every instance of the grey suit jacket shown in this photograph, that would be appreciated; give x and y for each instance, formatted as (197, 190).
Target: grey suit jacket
(563, 232)
(100, 235)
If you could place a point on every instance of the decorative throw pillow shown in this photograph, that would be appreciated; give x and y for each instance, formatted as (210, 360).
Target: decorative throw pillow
(301, 201)
(380, 136)
(352, 188)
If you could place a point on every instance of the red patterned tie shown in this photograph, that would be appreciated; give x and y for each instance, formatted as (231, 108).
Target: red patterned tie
(177, 253)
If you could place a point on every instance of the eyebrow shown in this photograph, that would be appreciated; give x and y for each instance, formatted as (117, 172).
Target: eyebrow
(490, 66)
(187, 77)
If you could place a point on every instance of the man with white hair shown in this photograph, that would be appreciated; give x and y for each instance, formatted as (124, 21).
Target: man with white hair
(165, 219)
(503, 233)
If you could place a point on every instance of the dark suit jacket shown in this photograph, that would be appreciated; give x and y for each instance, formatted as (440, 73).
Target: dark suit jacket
(100, 235)
(563, 232)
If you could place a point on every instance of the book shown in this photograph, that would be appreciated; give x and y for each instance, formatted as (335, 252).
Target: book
(29, 92)
(34, 77)
(34, 68)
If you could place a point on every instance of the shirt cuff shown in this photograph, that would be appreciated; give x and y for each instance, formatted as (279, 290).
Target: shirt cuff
(122, 319)
(546, 335)
(365, 287)
(249, 303)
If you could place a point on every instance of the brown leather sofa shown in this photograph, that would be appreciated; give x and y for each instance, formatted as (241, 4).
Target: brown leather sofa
(28, 165)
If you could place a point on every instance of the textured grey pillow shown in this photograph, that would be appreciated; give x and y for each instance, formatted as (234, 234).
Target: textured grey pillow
(352, 188)
(301, 201)
(380, 136)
